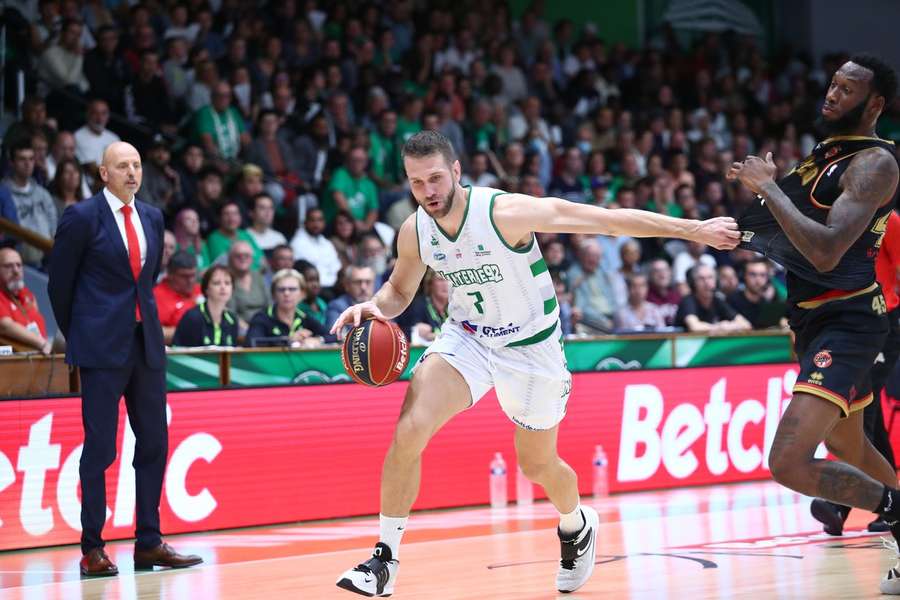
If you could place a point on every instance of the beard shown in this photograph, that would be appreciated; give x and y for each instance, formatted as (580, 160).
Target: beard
(15, 286)
(844, 125)
(445, 210)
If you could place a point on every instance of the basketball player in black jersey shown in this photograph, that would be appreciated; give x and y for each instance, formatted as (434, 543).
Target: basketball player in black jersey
(824, 222)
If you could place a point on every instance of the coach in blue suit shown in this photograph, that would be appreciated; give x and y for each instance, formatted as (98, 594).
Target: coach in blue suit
(105, 260)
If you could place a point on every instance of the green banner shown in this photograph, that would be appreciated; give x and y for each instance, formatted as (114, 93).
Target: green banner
(309, 367)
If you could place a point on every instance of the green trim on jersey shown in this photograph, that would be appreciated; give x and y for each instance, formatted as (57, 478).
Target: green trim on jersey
(538, 267)
(524, 250)
(540, 336)
(418, 241)
(549, 305)
(462, 223)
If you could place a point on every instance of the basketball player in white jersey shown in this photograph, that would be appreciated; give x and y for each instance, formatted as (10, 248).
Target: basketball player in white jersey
(502, 332)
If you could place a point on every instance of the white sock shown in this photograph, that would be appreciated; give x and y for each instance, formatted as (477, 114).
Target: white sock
(571, 523)
(392, 529)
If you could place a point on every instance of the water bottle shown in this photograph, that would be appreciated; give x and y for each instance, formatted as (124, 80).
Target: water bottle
(524, 489)
(601, 473)
(498, 481)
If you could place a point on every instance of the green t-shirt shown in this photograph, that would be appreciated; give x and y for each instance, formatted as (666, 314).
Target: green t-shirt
(407, 129)
(225, 128)
(198, 254)
(217, 244)
(361, 194)
(384, 156)
(318, 313)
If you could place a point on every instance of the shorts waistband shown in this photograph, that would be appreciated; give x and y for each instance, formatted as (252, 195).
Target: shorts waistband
(836, 295)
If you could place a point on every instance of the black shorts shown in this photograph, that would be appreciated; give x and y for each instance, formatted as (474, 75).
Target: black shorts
(837, 341)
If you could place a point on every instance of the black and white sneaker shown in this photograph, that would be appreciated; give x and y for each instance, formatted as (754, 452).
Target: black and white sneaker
(578, 554)
(375, 577)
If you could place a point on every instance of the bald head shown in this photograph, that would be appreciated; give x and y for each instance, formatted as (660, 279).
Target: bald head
(120, 170)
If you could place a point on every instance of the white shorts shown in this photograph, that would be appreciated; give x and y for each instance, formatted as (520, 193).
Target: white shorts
(532, 382)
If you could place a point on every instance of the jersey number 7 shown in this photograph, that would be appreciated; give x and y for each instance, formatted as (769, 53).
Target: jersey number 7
(479, 299)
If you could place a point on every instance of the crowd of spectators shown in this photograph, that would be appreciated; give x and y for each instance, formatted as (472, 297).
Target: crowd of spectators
(276, 150)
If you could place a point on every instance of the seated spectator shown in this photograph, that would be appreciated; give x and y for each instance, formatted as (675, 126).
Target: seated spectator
(106, 70)
(229, 231)
(34, 120)
(92, 138)
(161, 185)
(592, 288)
(344, 237)
(262, 213)
(571, 183)
(187, 235)
(66, 187)
(250, 292)
(662, 292)
(728, 281)
(34, 205)
(219, 127)
(207, 201)
(637, 314)
(757, 301)
(373, 253)
(282, 257)
(147, 99)
(703, 310)
(64, 148)
(359, 283)
(310, 243)
(8, 212)
(21, 322)
(40, 145)
(189, 170)
(423, 319)
(170, 246)
(249, 185)
(630, 264)
(210, 323)
(569, 316)
(477, 173)
(284, 318)
(272, 152)
(177, 293)
(352, 190)
(693, 255)
(62, 64)
(314, 305)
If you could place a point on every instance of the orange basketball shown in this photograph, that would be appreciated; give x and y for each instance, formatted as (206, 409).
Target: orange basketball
(375, 353)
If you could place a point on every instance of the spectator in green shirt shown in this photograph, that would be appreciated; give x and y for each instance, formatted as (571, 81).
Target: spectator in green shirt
(219, 241)
(410, 121)
(384, 152)
(219, 127)
(352, 190)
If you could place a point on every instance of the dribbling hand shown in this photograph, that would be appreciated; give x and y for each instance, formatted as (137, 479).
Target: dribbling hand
(356, 314)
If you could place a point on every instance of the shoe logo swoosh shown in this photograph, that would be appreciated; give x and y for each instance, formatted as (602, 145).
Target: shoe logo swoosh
(585, 544)
(368, 579)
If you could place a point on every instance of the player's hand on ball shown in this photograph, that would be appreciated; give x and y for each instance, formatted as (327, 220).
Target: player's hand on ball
(720, 232)
(356, 314)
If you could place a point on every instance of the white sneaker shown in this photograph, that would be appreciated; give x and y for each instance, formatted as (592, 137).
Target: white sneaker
(375, 577)
(890, 583)
(579, 554)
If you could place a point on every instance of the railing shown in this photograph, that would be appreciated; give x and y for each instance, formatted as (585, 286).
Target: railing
(28, 236)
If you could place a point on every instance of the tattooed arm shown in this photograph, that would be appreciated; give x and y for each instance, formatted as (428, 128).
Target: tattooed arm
(867, 184)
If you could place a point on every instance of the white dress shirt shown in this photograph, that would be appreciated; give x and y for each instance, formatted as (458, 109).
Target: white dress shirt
(116, 206)
(319, 251)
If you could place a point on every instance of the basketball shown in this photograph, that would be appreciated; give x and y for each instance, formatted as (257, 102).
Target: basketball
(375, 353)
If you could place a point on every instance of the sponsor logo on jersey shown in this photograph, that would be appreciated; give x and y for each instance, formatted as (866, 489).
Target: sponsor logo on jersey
(469, 327)
(439, 256)
(434, 241)
(483, 274)
(495, 332)
(480, 251)
(458, 254)
(822, 359)
(746, 236)
(816, 377)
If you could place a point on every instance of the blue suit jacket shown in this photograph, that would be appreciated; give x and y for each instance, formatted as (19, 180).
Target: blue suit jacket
(93, 291)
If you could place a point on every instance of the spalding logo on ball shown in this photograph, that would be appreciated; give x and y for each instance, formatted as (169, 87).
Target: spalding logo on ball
(375, 353)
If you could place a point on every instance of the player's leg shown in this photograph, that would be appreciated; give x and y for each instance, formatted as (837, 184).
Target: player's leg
(437, 393)
(848, 442)
(538, 458)
(808, 421)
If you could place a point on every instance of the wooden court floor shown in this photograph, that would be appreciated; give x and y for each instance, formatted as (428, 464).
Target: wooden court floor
(738, 541)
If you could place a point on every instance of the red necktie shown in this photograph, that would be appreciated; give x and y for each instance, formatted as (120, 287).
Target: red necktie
(134, 252)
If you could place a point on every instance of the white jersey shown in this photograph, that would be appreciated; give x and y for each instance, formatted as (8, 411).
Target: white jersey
(498, 294)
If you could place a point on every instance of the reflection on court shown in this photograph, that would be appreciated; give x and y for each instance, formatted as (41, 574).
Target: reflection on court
(738, 541)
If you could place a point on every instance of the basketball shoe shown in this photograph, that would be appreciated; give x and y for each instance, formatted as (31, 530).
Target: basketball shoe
(578, 553)
(375, 577)
(832, 516)
(890, 583)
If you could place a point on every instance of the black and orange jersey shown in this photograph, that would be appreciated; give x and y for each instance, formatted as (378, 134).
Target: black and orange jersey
(813, 186)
